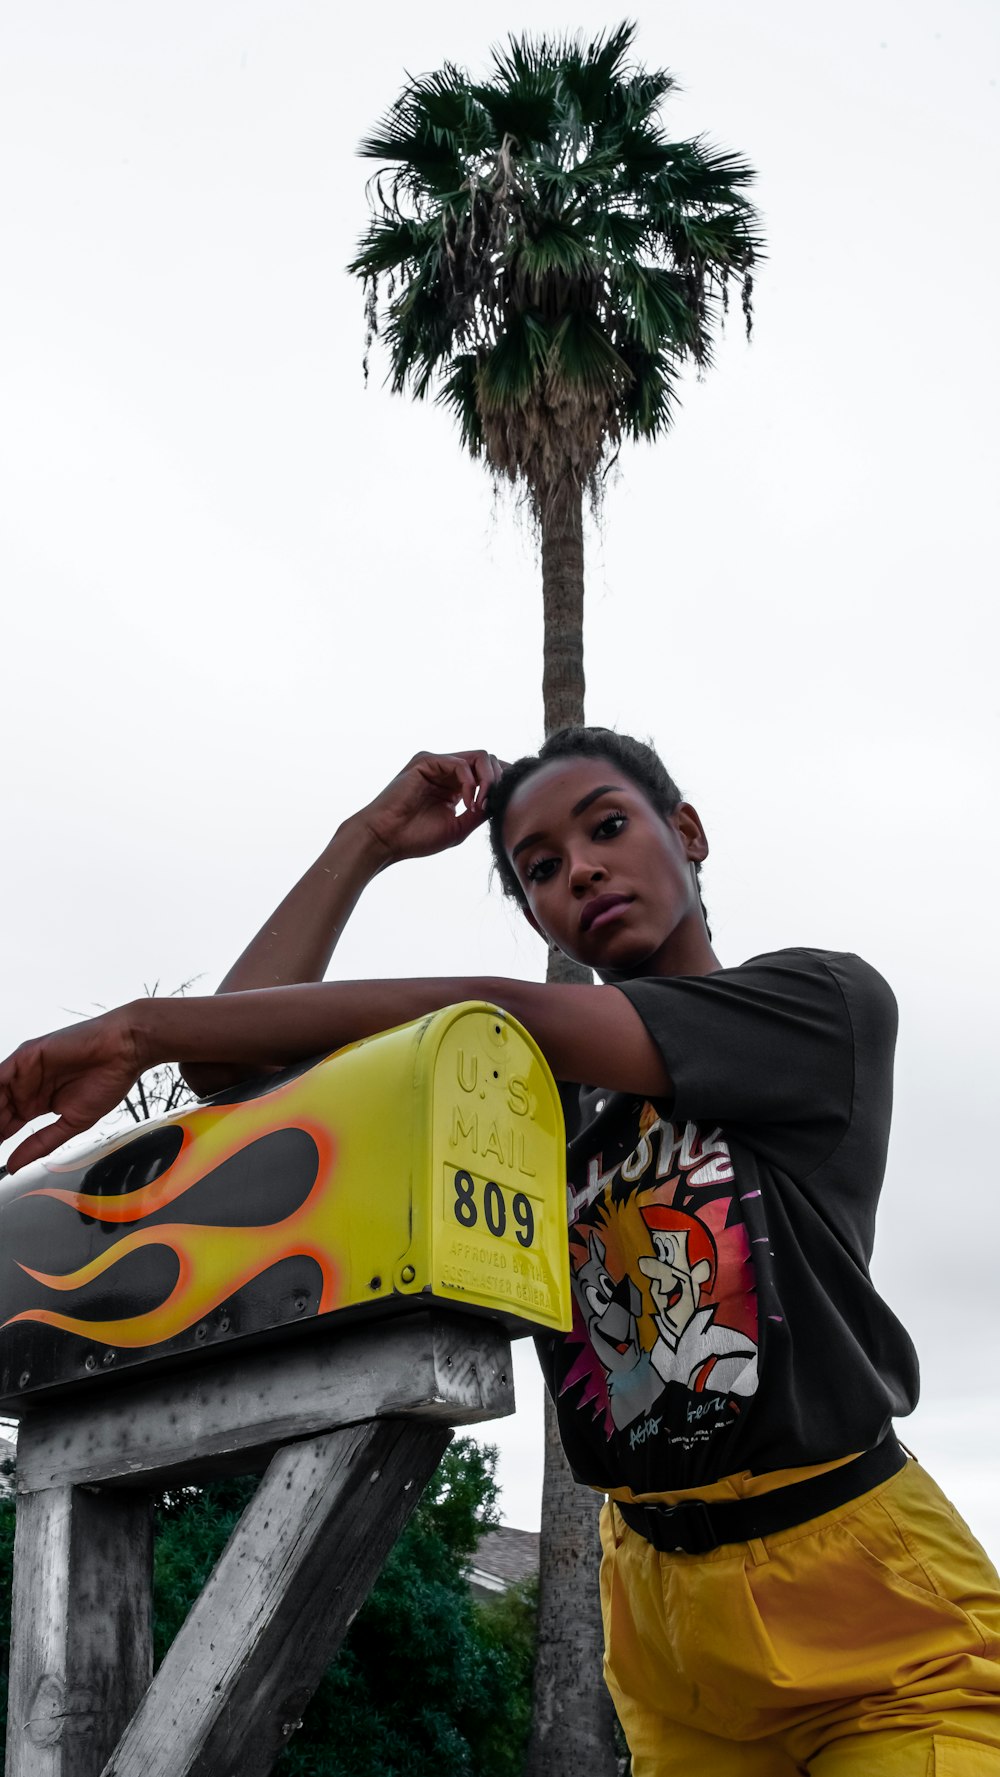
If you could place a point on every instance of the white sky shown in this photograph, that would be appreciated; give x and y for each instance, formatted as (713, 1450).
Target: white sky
(238, 590)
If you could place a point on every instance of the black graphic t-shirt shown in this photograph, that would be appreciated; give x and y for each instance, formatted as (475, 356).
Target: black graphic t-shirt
(724, 1318)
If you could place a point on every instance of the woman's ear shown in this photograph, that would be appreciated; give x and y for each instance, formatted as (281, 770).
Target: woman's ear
(688, 824)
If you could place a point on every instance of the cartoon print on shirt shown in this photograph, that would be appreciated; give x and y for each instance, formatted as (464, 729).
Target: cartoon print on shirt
(612, 1306)
(690, 1347)
(662, 1280)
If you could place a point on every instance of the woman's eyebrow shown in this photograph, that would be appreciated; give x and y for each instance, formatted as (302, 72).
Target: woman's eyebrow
(578, 808)
(585, 801)
(530, 839)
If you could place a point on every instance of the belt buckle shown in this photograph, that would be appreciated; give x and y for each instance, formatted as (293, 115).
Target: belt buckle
(696, 1518)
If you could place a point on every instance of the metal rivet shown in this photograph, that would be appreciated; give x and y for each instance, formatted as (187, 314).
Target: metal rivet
(90, 1361)
(375, 1283)
(301, 1302)
(24, 1379)
(109, 1357)
(201, 1332)
(407, 1274)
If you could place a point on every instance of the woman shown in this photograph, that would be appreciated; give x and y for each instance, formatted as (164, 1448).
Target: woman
(783, 1590)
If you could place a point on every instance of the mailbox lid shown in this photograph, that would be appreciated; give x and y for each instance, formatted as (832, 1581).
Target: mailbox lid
(497, 1171)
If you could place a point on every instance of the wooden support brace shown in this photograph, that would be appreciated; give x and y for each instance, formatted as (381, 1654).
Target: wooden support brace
(359, 1416)
(230, 1414)
(295, 1572)
(81, 1636)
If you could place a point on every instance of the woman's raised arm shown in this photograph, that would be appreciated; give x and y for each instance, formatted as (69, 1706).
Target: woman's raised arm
(415, 816)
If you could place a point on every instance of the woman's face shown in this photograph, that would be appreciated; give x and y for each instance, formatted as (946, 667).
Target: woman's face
(605, 877)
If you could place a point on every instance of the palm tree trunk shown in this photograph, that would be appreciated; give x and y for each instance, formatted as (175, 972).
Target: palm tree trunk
(562, 606)
(572, 1729)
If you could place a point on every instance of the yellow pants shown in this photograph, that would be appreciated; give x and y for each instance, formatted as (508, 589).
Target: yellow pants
(865, 1643)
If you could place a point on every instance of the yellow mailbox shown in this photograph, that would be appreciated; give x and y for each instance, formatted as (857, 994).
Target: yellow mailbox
(426, 1161)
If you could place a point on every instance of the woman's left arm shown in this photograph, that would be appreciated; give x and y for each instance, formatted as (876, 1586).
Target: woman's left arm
(80, 1073)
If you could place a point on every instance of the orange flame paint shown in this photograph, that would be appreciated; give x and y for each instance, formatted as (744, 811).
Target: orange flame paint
(218, 1140)
(214, 1261)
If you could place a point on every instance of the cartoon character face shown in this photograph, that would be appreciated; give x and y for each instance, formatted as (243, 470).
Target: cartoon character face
(610, 1308)
(676, 1277)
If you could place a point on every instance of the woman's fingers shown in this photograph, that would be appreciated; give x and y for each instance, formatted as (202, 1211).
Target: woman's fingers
(417, 814)
(78, 1074)
(467, 783)
(481, 772)
(40, 1143)
(461, 778)
(22, 1093)
(488, 771)
(22, 1099)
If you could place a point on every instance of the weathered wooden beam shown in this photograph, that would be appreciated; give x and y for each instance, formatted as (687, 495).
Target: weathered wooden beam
(299, 1565)
(231, 1416)
(81, 1640)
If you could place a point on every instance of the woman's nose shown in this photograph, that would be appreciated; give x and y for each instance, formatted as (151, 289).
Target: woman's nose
(583, 874)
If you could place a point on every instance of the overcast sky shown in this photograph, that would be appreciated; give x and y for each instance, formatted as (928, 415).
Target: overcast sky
(239, 590)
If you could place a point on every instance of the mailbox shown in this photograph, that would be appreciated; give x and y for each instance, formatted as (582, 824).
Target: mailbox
(428, 1161)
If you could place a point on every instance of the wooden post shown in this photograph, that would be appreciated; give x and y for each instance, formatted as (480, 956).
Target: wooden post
(298, 1567)
(352, 1423)
(81, 1628)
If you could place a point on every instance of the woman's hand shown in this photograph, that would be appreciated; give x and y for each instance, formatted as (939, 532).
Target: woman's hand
(417, 814)
(80, 1073)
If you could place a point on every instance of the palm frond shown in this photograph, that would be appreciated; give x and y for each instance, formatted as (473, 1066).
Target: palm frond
(459, 392)
(647, 404)
(553, 247)
(390, 243)
(616, 234)
(510, 374)
(656, 304)
(419, 334)
(591, 74)
(526, 112)
(581, 357)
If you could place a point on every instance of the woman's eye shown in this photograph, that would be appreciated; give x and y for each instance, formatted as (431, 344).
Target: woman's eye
(541, 870)
(610, 825)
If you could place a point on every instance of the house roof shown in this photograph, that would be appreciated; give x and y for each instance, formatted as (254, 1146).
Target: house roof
(503, 1557)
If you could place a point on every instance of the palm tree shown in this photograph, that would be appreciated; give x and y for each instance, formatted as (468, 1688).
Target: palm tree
(549, 261)
(543, 258)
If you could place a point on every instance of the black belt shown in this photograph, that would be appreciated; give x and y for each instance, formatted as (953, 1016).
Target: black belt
(697, 1525)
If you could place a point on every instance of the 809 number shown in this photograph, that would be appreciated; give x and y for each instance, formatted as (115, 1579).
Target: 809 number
(494, 1209)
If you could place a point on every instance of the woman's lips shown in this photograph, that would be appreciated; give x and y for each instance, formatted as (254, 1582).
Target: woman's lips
(602, 910)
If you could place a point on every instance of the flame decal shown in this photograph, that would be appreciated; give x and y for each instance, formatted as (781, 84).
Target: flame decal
(214, 1261)
(216, 1143)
